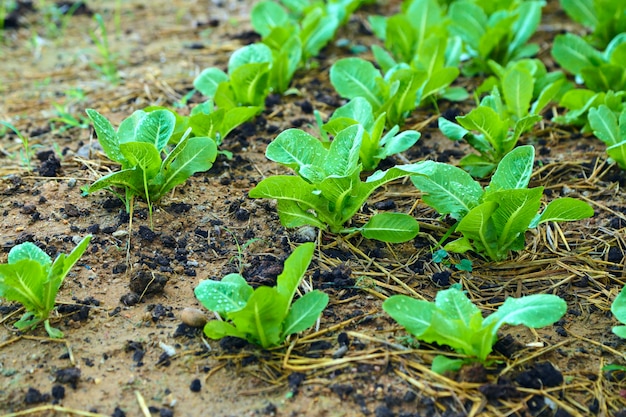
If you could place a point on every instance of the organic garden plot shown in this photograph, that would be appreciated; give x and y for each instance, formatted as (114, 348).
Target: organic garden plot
(125, 349)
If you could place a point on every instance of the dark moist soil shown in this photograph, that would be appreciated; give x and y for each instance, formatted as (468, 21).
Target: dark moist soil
(126, 350)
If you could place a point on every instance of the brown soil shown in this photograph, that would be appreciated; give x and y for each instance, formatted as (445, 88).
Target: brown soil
(112, 360)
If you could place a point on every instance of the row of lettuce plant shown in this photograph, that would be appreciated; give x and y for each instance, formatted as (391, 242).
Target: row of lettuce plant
(266, 316)
(429, 40)
(291, 35)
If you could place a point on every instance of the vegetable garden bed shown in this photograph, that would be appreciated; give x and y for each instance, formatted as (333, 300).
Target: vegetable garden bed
(127, 308)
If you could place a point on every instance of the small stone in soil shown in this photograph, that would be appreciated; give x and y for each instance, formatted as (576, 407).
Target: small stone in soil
(268, 410)
(342, 390)
(409, 396)
(615, 255)
(58, 392)
(193, 317)
(385, 205)
(50, 167)
(242, 214)
(383, 411)
(184, 330)
(129, 299)
(166, 412)
(68, 376)
(295, 379)
(195, 385)
(442, 279)
(540, 375)
(119, 268)
(146, 234)
(158, 311)
(118, 412)
(147, 283)
(34, 396)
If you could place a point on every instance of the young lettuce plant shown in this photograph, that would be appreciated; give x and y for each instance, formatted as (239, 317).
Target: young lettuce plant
(328, 191)
(605, 18)
(519, 94)
(247, 82)
(453, 320)
(579, 101)
(599, 71)
(265, 316)
(149, 168)
(526, 86)
(618, 308)
(206, 121)
(296, 35)
(374, 145)
(418, 37)
(610, 130)
(398, 93)
(404, 34)
(490, 130)
(31, 277)
(497, 35)
(493, 221)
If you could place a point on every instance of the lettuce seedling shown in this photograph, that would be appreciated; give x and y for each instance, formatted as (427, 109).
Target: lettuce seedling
(493, 221)
(149, 168)
(490, 130)
(404, 34)
(374, 145)
(398, 93)
(207, 121)
(599, 71)
(265, 316)
(453, 320)
(618, 308)
(526, 86)
(419, 38)
(247, 82)
(328, 191)
(579, 101)
(31, 278)
(313, 24)
(605, 18)
(497, 35)
(610, 130)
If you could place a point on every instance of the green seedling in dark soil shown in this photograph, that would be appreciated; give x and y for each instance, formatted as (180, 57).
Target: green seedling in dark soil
(150, 169)
(598, 70)
(618, 308)
(374, 145)
(108, 65)
(264, 316)
(328, 191)
(605, 18)
(31, 278)
(397, 93)
(305, 26)
(26, 153)
(497, 35)
(494, 127)
(206, 121)
(453, 320)
(610, 130)
(247, 82)
(493, 221)
(579, 101)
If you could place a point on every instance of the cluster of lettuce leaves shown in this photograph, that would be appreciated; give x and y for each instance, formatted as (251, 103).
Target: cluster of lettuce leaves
(31, 278)
(264, 316)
